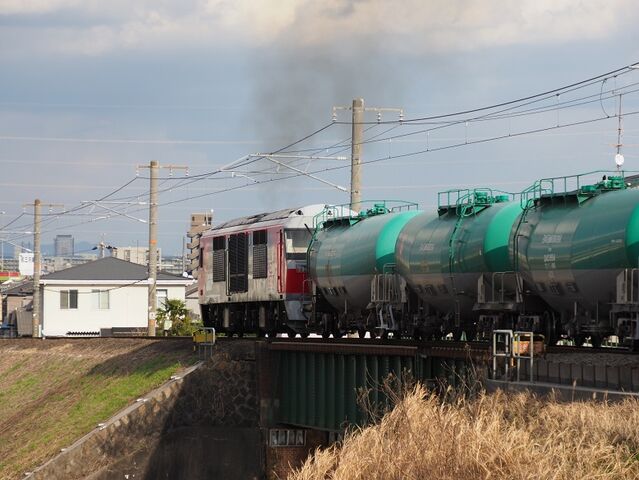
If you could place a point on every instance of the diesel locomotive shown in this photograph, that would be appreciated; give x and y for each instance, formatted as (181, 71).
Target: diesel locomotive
(560, 258)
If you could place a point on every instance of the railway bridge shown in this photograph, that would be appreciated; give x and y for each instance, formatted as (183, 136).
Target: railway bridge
(324, 385)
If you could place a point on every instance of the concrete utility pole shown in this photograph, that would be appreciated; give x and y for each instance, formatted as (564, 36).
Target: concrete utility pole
(154, 168)
(37, 264)
(357, 140)
(153, 245)
(356, 150)
(36, 269)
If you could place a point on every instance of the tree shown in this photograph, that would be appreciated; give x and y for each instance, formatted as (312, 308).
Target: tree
(174, 318)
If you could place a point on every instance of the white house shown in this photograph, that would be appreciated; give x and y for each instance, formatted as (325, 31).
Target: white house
(93, 298)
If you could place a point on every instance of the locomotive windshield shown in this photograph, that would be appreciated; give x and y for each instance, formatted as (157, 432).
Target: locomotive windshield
(297, 241)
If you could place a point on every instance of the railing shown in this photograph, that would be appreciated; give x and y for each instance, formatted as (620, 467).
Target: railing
(376, 207)
(517, 347)
(583, 183)
(462, 199)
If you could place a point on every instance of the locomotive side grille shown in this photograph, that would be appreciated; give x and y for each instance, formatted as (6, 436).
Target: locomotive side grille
(260, 261)
(260, 258)
(219, 270)
(219, 259)
(238, 263)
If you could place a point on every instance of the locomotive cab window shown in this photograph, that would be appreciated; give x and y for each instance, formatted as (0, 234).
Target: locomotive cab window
(219, 259)
(260, 254)
(297, 243)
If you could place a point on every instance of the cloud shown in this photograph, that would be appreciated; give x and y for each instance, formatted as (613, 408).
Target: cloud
(410, 26)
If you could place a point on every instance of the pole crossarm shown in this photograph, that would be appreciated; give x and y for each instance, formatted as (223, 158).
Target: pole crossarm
(358, 110)
(298, 170)
(124, 214)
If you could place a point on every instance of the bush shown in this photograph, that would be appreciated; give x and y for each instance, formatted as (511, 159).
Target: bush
(175, 320)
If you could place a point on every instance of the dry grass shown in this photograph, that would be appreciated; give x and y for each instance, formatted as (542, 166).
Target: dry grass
(497, 436)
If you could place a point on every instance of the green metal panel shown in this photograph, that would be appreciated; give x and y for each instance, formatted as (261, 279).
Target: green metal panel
(302, 389)
(340, 394)
(330, 392)
(361, 383)
(351, 389)
(293, 380)
(311, 368)
(373, 380)
(322, 401)
(321, 389)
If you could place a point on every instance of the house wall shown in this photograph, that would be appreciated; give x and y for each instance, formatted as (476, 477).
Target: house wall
(127, 308)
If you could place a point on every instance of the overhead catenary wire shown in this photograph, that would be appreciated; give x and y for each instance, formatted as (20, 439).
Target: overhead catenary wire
(381, 159)
(515, 104)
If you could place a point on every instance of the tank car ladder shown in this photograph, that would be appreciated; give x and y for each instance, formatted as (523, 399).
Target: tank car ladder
(386, 293)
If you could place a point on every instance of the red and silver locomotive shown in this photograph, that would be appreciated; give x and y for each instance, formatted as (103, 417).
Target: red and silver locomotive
(253, 272)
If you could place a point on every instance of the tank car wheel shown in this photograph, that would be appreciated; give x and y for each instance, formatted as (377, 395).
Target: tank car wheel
(338, 334)
(579, 340)
(326, 334)
(595, 341)
(373, 333)
(290, 333)
(361, 332)
(304, 334)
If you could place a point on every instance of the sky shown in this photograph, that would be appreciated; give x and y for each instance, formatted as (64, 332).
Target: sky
(90, 90)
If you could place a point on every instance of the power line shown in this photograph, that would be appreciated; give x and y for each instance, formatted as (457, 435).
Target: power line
(570, 87)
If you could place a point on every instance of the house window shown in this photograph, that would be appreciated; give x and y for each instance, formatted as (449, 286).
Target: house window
(100, 299)
(161, 298)
(68, 299)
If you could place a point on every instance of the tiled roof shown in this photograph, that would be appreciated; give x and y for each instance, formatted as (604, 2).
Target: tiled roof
(109, 268)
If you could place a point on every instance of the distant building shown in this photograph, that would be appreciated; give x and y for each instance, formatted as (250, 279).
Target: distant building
(63, 245)
(139, 255)
(200, 222)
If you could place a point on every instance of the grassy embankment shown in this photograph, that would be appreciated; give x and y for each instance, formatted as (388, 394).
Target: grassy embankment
(495, 436)
(52, 392)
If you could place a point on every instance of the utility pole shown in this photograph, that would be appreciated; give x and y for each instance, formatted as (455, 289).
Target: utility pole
(356, 149)
(357, 140)
(37, 265)
(36, 333)
(154, 168)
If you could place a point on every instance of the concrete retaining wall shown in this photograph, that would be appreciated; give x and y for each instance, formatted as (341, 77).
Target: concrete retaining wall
(199, 426)
(136, 428)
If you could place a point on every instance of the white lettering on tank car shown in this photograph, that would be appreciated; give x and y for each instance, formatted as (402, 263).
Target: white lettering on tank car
(550, 257)
(427, 247)
(551, 238)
